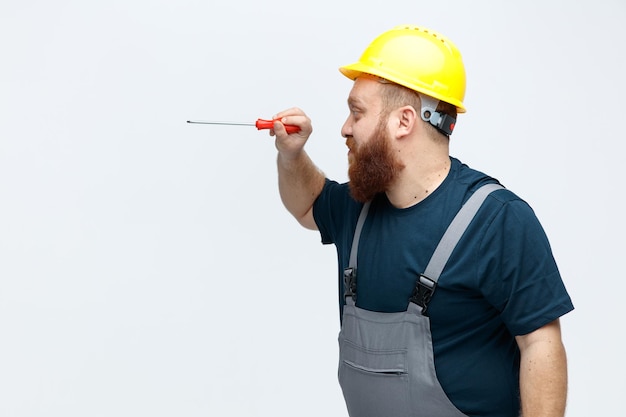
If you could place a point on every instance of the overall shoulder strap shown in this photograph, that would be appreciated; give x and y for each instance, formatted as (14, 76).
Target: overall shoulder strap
(349, 273)
(427, 282)
(357, 234)
(456, 229)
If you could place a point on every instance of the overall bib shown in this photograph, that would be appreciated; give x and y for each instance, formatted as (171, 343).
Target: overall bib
(386, 363)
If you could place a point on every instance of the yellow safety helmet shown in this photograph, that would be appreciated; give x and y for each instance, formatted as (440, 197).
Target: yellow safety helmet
(417, 58)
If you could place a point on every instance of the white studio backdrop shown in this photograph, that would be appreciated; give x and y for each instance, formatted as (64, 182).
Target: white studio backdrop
(147, 266)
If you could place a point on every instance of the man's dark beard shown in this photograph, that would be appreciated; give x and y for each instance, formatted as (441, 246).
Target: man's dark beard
(374, 166)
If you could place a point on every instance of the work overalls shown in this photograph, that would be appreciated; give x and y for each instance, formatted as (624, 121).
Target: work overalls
(386, 364)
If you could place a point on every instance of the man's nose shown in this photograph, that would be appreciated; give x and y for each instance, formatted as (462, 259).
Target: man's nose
(346, 129)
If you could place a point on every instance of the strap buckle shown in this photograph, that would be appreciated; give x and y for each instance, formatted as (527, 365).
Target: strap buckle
(423, 292)
(349, 283)
(442, 121)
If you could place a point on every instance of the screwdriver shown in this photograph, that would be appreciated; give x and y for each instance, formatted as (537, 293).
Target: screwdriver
(259, 124)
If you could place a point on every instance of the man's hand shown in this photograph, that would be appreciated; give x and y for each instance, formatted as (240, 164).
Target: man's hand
(291, 145)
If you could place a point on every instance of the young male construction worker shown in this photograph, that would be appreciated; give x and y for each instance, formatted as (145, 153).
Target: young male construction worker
(446, 312)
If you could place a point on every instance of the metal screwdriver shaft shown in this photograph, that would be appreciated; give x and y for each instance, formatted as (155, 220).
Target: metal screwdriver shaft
(203, 122)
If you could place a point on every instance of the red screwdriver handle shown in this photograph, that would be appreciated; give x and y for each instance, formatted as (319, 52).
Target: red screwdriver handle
(269, 124)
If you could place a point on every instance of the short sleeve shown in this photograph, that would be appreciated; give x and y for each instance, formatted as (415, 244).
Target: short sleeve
(518, 272)
(334, 210)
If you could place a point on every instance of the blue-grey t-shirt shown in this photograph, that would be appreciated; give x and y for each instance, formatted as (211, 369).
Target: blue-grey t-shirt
(500, 281)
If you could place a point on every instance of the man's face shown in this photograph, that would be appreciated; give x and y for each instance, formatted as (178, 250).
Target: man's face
(373, 164)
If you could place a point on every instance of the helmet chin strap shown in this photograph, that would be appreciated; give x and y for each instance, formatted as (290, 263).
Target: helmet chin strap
(443, 122)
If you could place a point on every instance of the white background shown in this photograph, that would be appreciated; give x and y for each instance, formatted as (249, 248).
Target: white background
(147, 266)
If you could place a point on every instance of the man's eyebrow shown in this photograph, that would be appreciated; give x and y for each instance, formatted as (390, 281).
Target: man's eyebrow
(354, 101)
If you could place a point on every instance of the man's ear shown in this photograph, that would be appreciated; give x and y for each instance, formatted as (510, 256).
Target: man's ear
(407, 119)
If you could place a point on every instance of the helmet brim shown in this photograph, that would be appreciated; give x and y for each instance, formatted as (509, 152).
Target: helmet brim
(354, 71)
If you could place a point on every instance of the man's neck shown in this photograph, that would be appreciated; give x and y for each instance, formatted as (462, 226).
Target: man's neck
(417, 181)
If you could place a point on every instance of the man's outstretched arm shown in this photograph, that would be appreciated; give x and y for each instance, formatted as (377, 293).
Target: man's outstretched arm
(299, 180)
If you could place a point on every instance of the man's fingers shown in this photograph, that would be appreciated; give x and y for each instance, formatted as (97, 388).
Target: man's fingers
(289, 112)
